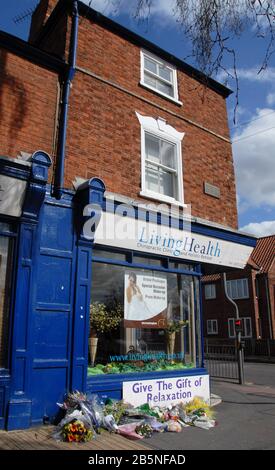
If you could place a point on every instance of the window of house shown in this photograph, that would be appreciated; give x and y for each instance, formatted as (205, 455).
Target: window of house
(246, 327)
(142, 320)
(210, 291)
(161, 160)
(6, 253)
(159, 76)
(212, 327)
(238, 289)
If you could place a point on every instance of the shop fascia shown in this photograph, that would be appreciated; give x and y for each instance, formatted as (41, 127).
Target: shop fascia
(142, 229)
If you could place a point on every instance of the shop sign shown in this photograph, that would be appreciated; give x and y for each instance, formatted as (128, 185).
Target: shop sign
(134, 234)
(166, 391)
(145, 299)
(12, 193)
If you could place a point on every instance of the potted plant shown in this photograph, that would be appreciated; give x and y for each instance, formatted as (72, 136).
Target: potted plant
(172, 328)
(102, 320)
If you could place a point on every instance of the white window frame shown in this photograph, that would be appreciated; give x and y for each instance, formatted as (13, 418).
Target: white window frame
(210, 329)
(244, 329)
(244, 288)
(175, 97)
(210, 291)
(160, 129)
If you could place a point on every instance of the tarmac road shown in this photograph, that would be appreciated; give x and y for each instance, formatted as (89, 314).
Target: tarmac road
(246, 416)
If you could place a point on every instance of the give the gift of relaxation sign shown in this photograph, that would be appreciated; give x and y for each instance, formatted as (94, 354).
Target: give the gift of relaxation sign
(165, 391)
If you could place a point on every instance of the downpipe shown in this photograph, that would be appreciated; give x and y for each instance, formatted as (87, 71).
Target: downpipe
(238, 335)
(63, 122)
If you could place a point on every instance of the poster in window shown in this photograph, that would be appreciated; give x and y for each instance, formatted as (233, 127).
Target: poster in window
(145, 299)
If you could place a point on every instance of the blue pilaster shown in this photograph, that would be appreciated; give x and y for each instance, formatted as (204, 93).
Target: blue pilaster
(19, 406)
(90, 193)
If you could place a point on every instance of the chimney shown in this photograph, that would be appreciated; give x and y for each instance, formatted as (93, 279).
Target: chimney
(40, 16)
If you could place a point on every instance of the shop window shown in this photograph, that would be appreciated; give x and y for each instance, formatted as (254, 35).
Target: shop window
(181, 266)
(159, 76)
(210, 291)
(141, 320)
(212, 327)
(246, 327)
(238, 288)
(6, 248)
(150, 261)
(161, 160)
(105, 254)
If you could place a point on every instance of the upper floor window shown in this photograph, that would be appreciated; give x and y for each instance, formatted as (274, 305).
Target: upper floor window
(212, 327)
(159, 76)
(210, 291)
(246, 327)
(238, 289)
(161, 160)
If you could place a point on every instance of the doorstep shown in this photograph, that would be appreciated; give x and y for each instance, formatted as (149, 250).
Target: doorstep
(40, 438)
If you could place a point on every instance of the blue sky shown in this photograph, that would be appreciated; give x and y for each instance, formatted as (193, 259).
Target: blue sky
(254, 132)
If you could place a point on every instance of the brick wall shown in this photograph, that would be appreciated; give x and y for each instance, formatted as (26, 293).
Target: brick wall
(104, 132)
(221, 309)
(28, 95)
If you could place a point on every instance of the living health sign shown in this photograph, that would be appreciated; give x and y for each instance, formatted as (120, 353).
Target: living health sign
(145, 299)
(166, 391)
(134, 234)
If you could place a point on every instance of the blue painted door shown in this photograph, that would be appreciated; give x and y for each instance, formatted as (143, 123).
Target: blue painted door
(53, 307)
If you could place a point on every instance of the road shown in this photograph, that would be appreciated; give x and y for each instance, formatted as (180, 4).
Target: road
(246, 416)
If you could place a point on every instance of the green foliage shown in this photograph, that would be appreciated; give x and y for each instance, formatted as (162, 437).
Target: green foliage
(175, 326)
(103, 319)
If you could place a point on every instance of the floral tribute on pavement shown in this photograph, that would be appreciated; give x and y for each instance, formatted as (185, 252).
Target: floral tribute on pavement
(84, 417)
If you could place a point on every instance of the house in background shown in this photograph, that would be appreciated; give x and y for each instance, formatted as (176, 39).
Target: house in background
(253, 289)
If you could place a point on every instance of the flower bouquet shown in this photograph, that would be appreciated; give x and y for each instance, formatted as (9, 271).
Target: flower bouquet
(76, 431)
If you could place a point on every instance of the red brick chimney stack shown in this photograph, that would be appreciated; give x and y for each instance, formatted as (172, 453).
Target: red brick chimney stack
(40, 16)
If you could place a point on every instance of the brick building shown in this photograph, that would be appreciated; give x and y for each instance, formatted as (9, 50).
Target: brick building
(253, 289)
(131, 137)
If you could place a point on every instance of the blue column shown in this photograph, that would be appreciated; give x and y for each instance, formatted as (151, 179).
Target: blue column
(19, 406)
(91, 192)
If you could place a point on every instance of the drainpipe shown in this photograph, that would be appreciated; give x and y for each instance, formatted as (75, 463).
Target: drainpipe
(238, 336)
(62, 133)
(268, 307)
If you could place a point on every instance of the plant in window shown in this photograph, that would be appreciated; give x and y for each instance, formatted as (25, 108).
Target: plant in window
(102, 320)
(173, 327)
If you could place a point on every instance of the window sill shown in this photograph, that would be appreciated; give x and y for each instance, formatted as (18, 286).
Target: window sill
(170, 98)
(160, 198)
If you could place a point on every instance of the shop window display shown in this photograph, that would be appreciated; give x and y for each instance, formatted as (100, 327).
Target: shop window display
(5, 275)
(141, 320)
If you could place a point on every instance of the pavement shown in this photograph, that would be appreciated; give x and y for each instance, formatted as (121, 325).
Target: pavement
(245, 416)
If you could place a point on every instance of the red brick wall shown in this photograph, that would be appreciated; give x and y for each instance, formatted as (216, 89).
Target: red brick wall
(104, 132)
(28, 95)
(221, 309)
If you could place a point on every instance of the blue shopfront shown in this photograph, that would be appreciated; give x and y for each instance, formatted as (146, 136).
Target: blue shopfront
(107, 315)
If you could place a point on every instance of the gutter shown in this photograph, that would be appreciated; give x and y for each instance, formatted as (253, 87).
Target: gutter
(62, 134)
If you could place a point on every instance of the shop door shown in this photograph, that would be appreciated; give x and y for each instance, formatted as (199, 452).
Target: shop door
(53, 311)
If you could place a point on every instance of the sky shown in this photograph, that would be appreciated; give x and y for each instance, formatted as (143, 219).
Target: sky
(253, 134)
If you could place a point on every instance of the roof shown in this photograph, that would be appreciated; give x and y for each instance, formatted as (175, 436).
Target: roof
(264, 253)
(88, 12)
(211, 277)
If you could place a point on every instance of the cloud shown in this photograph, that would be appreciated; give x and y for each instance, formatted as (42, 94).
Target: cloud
(252, 75)
(260, 229)
(270, 99)
(254, 156)
(163, 8)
